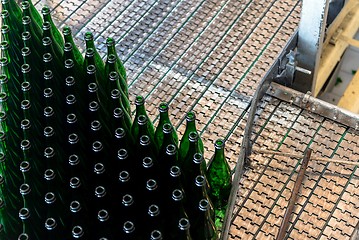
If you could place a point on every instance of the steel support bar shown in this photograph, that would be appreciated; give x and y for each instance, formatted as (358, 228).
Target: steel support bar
(310, 40)
(293, 198)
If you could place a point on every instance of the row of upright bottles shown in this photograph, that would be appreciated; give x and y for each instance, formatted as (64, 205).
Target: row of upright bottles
(75, 163)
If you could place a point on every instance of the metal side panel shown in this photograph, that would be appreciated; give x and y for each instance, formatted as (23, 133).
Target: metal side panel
(209, 56)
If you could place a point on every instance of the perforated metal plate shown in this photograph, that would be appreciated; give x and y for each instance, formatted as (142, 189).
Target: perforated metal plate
(208, 56)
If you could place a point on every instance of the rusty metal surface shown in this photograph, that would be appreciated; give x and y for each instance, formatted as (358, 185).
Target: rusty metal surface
(209, 56)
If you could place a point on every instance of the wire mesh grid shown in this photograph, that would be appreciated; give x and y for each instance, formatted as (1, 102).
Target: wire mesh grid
(209, 56)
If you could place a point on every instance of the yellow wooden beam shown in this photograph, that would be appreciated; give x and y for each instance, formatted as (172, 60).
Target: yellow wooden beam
(350, 99)
(346, 25)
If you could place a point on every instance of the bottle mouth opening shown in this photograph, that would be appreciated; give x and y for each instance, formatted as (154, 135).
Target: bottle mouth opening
(75, 206)
(203, 205)
(219, 144)
(48, 93)
(69, 63)
(48, 111)
(177, 195)
(167, 128)
(4, 61)
(26, 20)
(88, 36)
(142, 120)
(171, 149)
(124, 176)
(3, 79)
(147, 162)
(25, 35)
(139, 100)
(46, 41)
(5, 29)
(73, 138)
(92, 87)
(47, 57)
(112, 58)
(94, 106)
(151, 184)
(45, 10)
(77, 232)
(91, 69)
(25, 123)
(190, 116)
(50, 224)
(163, 107)
(118, 113)
(48, 75)
(49, 131)
(3, 97)
(23, 236)
(71, 118)
(75, 182)
(113, 76)
(122, 154)
(200, 180)
(25, 189)
(95, 125)
(100, 191)
(70, 81)
(115, 94)
(128, 227)
(24, 213)
(103, 215)
(97, 146)
(74, 160)
(49, 152)
(193, 136)
(198, 158)
(144, 140)
(90, 52)
(49, 174)
(25, 144)
(25, 5)
(46, 26)
(25, 86)
(120, 133)
(175, 171)
(66, 31)
(110, 41)
(127, 200)
(4, 45)
(50, 198)
(99, 168)
(156, 235)
(153, 210)
(25, 68)
(25, 51)
(183, 224)
(25, 166)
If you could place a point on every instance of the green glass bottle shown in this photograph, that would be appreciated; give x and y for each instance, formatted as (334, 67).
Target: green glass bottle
(190, 127)
(174, 212)
(56, 33)
(219, 178)
(111, 66)
(190, 168)
(183, 231)
(13, 86)
(164, 118)
(141, 110)
(168, 139)
(47, 32)
(112, 50)
(92, 76)
(14, 41)
(29, 58)
(203, 227)
(153, 219)
(113, 79)
(100, 66)
(120, 122)
(115, 102)
(14, 66)
(36, 53)
(78, 58)
(166, 161)
(30, 223)
(35, 13)
(199, 190)
(15, 14)
(26, 11)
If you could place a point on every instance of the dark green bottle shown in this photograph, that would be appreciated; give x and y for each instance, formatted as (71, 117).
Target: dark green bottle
(15, 14)
(78, 58)
(190, 168)
(93, 77)
(26, 11)
(116, 101)
(129, 231)
(105, 226)
(168, 139)
(145, 148)
(174, 212)
(203, 227)
(169, 159)
(47, 32)
(174, 182)
(144, 128)
(113, 79)
(111, 66)
(190, 127)
(219, 177)
(183, 231)
(30, 223)
(100, 66)
(14, 41)
(29, 58)
(36, 52)
(164, 118)
(35, 13)
(53, 229)
(112, 50)
(153, 220)
(156, 235)
(56, 33)
(199, 190)
(14, 66)
(140, 110)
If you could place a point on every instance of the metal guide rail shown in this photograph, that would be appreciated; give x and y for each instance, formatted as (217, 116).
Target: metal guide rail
(209, 56)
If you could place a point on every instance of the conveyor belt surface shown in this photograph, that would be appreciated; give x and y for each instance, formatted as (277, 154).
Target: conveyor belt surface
(209, 56)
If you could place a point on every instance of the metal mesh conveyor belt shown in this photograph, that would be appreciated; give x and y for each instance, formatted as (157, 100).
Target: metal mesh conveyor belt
(209, 56)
